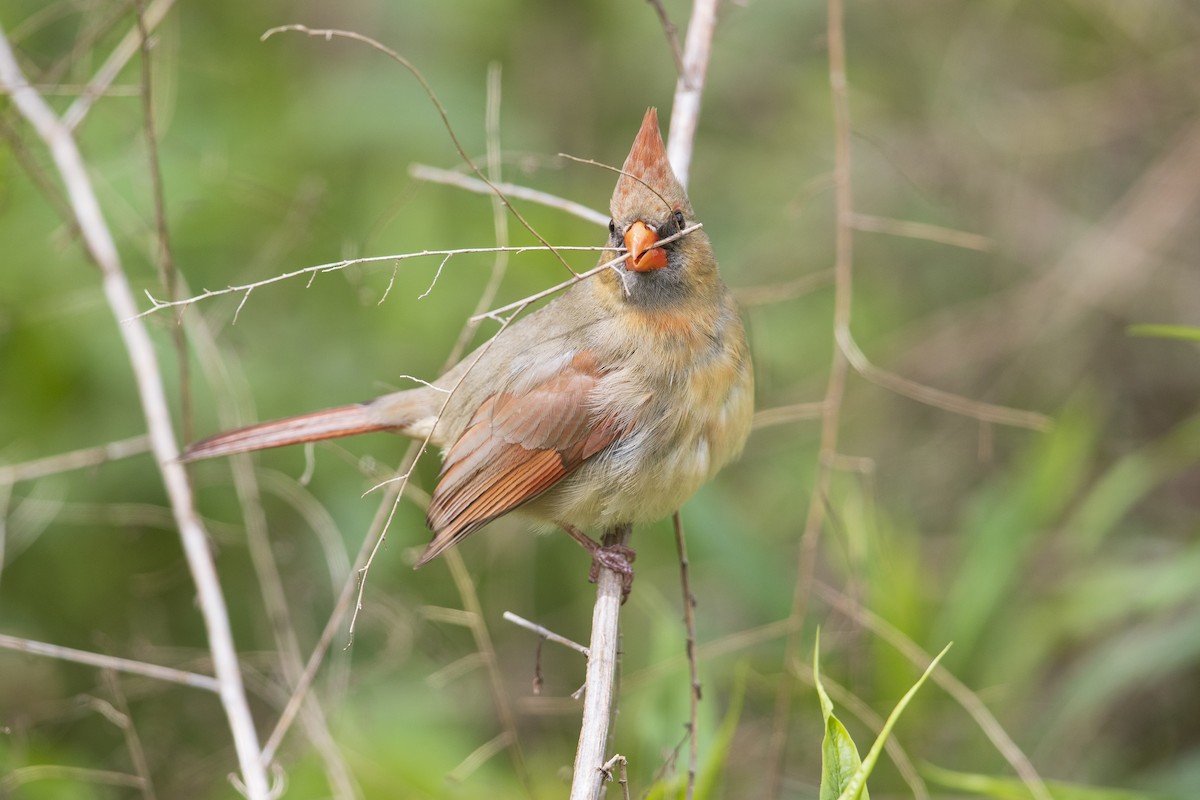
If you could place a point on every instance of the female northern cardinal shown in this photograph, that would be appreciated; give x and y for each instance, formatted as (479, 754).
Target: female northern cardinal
(611, 405)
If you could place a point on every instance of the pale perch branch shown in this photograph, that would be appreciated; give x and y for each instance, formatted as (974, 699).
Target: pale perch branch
(76, 459)
(588, 777)
(467, 183)
(545, 632)
(193, 679)
(100, 246)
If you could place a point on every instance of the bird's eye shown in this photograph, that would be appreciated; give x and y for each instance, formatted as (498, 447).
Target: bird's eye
(612, 227)
(679, 219)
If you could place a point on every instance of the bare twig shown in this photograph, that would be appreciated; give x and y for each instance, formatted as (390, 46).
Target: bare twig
(100, 246)
(685, 110)
(689, 625)
(834, 391)
(782, 415)
(588, 778)
(193, 679)
(416, 73)
(923, 230)
(519, 304)
(483, 644)
(544, 632)
(76, 459)
(481, 755)
(622, 775)
(779, 292)
(133, 742)
(467, 183)
(670, 32)
(126, 49)
(947, 401)
(168, 275)
(334, 266)
(42, 772)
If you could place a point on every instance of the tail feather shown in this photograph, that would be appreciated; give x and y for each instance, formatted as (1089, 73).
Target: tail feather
(328, 424)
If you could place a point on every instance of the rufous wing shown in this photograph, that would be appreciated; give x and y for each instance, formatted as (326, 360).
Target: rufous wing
(518, 445)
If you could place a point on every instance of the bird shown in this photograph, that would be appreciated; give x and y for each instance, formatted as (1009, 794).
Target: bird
(608, 406)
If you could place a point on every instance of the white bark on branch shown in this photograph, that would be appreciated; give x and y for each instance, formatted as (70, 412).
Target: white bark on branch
(100, 246)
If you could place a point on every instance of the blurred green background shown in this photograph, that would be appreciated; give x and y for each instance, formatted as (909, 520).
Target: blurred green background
(1065, 566)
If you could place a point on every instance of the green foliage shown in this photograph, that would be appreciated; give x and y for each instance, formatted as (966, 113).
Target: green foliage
(1062, 565)
(843, 774)
(1006, 788)
(1183, 332)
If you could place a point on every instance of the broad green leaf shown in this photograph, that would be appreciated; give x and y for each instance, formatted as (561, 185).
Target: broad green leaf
(839, 757)
(1007, 788)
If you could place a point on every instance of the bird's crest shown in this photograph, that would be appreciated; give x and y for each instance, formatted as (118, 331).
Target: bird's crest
(648, 180)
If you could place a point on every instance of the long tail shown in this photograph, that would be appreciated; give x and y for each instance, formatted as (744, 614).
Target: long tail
(328, 424)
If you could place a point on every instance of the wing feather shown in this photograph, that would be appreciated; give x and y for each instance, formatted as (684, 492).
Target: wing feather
(517, 446)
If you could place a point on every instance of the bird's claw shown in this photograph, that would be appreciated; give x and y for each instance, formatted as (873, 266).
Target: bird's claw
(618, 558)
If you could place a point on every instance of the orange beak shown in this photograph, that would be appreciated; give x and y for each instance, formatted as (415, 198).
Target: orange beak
(638, 241)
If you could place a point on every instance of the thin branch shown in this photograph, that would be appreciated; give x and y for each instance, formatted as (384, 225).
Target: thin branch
(76, 459)
(587, 779)
(783, 415)
(834, 391)
(100, 246)
(466, 182)
(168, 275)
(780, 292)
(480, 756)
(685, 110)
(487, 652)
(689, 625)
(544, 632)
(169, 674)
(670, 32)
(44, 772)
(947, 401)
(133, 742)
(518, 304)
(923, 230)
(334, 266)
(329, 33)
(622, 774)
(126, 49)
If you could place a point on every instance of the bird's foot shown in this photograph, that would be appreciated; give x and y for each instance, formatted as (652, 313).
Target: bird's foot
(616, 557)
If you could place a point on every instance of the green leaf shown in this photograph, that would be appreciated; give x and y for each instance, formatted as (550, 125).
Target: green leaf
(1184, 332)
(1006, 788)
(839, 757)
(857, 786)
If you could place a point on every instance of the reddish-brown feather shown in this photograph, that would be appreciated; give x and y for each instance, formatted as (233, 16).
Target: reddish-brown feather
(516, 447)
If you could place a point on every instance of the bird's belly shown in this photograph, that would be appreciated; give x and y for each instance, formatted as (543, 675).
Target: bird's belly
(676, 446)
